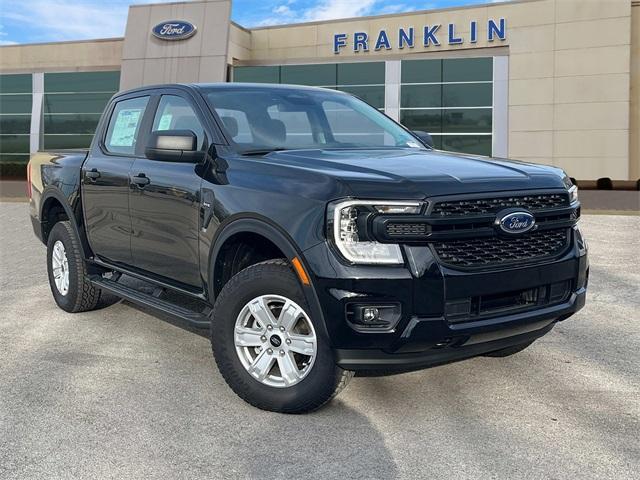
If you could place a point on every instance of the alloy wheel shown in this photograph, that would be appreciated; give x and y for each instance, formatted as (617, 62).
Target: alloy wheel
(275, 340)
(60, 266)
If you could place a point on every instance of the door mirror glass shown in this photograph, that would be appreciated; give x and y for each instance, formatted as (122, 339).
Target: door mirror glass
(424, 137)
(173, 146)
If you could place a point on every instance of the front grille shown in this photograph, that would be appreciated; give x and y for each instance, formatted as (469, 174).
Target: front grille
(496, 251)
(487, 206)
(400, 229)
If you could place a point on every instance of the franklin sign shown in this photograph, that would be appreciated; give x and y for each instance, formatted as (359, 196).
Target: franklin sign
(427, 36)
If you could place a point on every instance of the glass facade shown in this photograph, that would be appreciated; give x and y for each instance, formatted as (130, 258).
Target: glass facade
(452, 99)
(72, 106)
(15, 123)
(365, 80)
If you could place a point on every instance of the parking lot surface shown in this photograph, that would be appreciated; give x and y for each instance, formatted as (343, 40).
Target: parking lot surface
(117, 393)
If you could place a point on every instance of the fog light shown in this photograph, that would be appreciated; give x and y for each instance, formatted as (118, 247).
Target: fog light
(370, 314)
(373, 318)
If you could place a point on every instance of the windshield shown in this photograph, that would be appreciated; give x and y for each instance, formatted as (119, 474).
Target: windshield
(261, 119)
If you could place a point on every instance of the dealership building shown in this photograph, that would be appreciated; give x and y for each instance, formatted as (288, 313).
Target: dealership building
(548, 81)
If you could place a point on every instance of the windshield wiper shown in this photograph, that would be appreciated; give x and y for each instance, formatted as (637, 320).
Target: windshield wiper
(263, 151)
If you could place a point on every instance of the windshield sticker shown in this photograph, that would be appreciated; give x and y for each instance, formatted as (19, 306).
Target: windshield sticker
(124, 130)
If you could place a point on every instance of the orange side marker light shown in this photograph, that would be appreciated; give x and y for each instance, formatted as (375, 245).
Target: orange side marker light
(302, 275)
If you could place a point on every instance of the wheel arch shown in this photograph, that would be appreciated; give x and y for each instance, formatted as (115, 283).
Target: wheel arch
(53, 200)
(275, 235)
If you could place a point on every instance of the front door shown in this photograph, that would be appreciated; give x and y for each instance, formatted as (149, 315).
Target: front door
(165, 202)
(105, 181)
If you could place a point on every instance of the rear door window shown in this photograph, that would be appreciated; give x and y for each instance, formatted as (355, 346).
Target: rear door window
(124, 125)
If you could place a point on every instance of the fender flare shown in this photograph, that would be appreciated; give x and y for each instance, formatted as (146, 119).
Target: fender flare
(274, 233)
(57, 195)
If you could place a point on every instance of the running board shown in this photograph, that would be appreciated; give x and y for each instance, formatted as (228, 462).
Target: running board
(199, 320)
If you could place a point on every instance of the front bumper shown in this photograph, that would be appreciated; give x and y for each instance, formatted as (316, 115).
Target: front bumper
(426, 334)
(466, 341)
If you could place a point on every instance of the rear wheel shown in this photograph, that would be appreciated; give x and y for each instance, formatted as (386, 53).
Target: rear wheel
(267, 347)
(70, 286)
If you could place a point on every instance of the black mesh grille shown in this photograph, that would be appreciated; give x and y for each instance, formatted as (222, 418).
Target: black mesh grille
(495, 251)
(483, 206)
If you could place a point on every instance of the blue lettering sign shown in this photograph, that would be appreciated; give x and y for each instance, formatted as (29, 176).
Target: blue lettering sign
(430, 35)
(473, 36)
(496, 29)
(453, 40)
(405, 38)
(339, 41)
(499, 30)
(360, 42)
(383, 41)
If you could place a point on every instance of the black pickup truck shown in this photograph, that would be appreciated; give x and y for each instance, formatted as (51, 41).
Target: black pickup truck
(313, 236)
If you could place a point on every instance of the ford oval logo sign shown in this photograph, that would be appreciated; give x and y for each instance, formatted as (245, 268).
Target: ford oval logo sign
(174, 30)
(515, 221)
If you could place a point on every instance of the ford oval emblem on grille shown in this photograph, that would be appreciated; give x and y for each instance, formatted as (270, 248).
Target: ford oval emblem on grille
(174, 30)
(514, 222)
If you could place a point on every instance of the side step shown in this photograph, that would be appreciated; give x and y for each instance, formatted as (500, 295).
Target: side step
(199, 320)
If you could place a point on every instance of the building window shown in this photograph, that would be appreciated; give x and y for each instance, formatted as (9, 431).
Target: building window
(452, 100)
(15, 123)
(73, 104)
(364, 79)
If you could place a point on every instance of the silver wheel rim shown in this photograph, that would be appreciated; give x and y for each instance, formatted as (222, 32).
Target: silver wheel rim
(275, 341)
(60, 267)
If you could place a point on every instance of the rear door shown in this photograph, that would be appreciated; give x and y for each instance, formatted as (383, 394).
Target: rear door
(165, 207)
(105, 178)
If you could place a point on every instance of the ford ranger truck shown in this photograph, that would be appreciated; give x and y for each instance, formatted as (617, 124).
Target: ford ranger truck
(310, 234)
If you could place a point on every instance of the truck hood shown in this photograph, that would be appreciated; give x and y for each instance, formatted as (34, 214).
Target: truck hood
(411, 173)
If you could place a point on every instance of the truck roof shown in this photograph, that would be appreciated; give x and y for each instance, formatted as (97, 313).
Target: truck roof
(221, 86)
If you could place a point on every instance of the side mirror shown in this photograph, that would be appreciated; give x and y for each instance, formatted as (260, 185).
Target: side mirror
(424, 137)
(173, 146)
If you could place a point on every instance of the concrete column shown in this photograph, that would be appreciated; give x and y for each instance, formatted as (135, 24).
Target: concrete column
(500, 129)
(392, 70)
(36, 111)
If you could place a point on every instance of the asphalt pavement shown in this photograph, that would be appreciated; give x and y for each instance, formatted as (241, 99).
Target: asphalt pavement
(117, 393)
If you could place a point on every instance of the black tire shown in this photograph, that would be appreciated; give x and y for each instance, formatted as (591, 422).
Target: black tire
(81, 296)
(507, 352)
(323, 381)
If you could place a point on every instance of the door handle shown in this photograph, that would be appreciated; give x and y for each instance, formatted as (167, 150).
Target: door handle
(93, 174)
(141, 180)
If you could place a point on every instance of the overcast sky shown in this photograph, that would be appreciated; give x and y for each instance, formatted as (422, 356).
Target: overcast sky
(30, 21)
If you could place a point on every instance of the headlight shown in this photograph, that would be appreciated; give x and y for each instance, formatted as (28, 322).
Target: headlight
(573, 194)
(573, 189)
(348, 226)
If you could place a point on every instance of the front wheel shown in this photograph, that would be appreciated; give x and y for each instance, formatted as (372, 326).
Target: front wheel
(267, 347)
